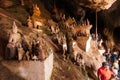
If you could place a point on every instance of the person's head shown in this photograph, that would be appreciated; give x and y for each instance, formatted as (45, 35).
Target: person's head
(105, 64)
(108, 50)
(115, 52)
(119, 59)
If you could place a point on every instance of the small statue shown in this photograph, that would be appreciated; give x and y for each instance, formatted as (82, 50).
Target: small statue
(55, 10)
(84, 29)
(88, 45)
(63, 17)
(13, 35)
(11, 49)
(22, 3)
(27, 56)
(75, 51)
(34, 58)
(29, 23)
(37, 24)
(64, 46)
(40, 52)
(49, 51)
(36, 11)
(21, 52)
(54, 29)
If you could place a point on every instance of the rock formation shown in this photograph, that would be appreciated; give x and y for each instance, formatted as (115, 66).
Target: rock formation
(49, 39)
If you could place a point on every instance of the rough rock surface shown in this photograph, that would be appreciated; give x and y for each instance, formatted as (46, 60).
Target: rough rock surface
(62, 70)
(6, 3)
(29, 70)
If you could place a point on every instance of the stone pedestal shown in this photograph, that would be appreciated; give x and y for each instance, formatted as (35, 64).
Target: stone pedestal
(30, 70)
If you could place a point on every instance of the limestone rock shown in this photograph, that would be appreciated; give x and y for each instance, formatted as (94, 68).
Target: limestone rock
(6, 3)
(101, 4)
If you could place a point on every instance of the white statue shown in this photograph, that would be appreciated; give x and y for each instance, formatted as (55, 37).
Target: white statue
(13, 41)
(88, 45)
(75, 49)
(64, 46)
(14, 37)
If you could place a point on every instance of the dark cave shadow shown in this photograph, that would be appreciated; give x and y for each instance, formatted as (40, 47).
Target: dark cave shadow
(116, 34)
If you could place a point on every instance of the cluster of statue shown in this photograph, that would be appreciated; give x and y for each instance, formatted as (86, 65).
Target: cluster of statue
(19, 47)
(35, 21)
(78, 29)
(53, 27)
(77, 55)
(83, 29)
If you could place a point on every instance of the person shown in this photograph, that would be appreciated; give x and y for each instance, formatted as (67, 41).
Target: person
(114, 56)
(107, 55)
(104, 72)
(119, 63)
(115, 67)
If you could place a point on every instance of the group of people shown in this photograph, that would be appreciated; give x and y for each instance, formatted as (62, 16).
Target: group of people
(111, 67)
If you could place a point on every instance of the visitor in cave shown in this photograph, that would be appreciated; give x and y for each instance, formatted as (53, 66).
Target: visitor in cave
(115, 67)
(114, 57)
(104, 72)
(119, 63)
(107, 55)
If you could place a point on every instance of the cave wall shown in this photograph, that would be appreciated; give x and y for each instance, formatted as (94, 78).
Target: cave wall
(83, 9)
(106, 18)
(110, 20)
(111, 16)
(70, 8)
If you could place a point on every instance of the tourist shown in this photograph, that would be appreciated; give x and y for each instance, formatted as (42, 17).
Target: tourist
(114, 57)
(119, 63)
(115, 67)
(107, 55)
(104, 72)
